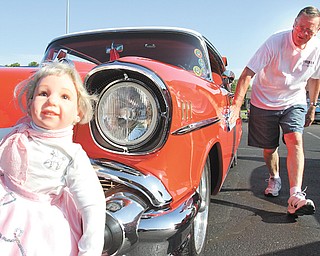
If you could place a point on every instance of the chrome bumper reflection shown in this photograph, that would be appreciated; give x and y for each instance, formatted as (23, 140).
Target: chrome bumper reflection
(135, 217)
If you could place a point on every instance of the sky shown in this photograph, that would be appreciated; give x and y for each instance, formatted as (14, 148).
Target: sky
(235, 27)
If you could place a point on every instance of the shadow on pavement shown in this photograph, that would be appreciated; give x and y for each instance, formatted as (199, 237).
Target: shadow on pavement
(311, 249)
(311, 182)
(258, 183)
(266, 216)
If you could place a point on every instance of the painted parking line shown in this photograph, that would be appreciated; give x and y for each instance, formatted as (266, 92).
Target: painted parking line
(310, 133)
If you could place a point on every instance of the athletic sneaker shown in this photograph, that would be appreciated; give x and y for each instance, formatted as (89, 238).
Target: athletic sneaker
(274, 186)
(298, 205)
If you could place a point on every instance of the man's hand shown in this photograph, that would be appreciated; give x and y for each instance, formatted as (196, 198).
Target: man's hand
(313, 86)
(241, 90)
(310, 116)
(234, 114)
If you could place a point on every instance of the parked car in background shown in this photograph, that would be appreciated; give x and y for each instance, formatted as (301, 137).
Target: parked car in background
(317, 113)
(160, 140)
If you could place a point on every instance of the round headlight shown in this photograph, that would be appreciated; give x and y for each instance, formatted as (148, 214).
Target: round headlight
(127, 113)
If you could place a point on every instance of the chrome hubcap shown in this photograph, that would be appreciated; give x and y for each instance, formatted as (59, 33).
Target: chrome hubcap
(201, 220)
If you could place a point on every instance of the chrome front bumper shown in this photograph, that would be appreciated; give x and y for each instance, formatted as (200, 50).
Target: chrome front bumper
(139, 219)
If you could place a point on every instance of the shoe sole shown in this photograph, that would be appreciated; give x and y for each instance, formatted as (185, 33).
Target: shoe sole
(307, 209)
(271, 195)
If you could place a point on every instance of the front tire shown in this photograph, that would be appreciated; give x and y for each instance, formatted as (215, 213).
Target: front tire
(198, 234)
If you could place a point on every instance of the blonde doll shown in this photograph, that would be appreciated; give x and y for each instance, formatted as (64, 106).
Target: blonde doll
(51, 201)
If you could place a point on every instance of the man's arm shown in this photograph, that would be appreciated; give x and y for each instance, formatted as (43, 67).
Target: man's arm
(313, 88)
(240, 93)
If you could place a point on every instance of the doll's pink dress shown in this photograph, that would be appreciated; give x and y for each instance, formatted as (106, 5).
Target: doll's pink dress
(51, 201)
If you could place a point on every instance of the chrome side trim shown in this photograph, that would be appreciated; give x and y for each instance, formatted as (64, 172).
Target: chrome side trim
(196, 126)
(148, 185)
(186, 110)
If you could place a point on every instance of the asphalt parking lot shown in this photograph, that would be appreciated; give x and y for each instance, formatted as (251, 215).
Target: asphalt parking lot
(245, 222)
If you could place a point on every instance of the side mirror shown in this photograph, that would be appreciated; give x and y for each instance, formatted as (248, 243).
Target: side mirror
(225, 60)
(227, 79)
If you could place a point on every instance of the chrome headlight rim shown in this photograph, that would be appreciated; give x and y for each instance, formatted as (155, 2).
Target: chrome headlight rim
(105, 74)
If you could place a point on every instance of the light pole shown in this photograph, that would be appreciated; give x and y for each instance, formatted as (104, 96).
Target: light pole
(67, 16)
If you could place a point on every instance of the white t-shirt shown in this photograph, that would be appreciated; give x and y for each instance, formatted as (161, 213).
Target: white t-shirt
(282, 71)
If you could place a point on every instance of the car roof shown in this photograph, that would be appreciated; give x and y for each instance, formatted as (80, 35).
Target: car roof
(147, 29)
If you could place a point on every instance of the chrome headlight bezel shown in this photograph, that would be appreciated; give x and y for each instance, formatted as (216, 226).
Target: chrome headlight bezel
(110, 75)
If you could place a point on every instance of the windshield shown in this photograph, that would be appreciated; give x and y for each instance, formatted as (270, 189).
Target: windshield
(178, 49)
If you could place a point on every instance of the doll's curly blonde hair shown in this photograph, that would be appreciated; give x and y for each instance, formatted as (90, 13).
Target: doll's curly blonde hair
(25, 90)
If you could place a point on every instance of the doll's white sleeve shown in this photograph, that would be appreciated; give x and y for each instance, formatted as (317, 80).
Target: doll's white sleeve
(88, 195)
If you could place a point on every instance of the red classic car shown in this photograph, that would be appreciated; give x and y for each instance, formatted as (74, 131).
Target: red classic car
(160, 140)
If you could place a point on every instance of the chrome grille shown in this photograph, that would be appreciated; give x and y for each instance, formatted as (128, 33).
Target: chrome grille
(107, 184)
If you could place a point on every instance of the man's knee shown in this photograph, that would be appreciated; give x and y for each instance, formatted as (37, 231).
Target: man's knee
(270, 151)
(293, 138)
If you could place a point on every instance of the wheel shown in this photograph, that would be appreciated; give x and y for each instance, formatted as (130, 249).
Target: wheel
(198, 234)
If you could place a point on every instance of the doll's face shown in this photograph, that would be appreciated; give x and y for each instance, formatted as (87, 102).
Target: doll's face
(55, 103)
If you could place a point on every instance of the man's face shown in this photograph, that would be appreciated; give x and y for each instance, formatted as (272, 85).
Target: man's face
(304, 29)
